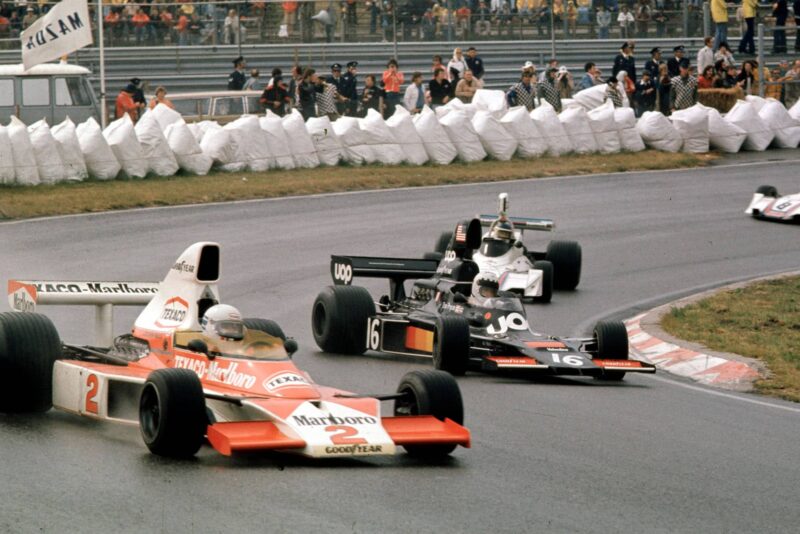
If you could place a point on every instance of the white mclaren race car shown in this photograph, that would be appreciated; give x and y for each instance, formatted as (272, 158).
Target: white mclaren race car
(188, 375)
(528, 273)
(768, 205)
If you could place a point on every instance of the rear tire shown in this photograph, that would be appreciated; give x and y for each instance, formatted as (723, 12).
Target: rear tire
(443, 242)
(612, 344)
(172, 413)
(429, 392)
(547, 281)
(566, 257)
(29, 347)
(265, 325)
(767, 191)
(451, 345)
(339, 319)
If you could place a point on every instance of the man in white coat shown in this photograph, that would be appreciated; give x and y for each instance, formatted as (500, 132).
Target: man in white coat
(414, 98)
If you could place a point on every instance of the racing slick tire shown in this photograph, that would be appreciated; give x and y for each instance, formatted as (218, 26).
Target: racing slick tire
(612, 343)
(451, 344)
(265, 325)
(172, 413)
(767, 191)
(430, 392)
(443, 242)
(547, 281)
(339, 319)
(29, 347)
(566, 257)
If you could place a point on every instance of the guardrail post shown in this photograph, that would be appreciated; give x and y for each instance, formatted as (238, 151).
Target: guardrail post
(707, 30)
(762, 81)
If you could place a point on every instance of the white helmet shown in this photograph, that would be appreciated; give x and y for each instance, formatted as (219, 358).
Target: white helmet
(485, 286)
(223, 322)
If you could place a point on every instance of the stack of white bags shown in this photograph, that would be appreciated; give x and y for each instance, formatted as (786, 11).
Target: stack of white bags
(162, 143)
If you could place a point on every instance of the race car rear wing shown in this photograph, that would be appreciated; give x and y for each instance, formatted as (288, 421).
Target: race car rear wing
(397, 270)
(25, 295)
(522, 223)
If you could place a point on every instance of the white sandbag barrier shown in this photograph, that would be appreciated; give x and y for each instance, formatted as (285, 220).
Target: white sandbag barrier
(436, 141)
(328, 145)
(787, 131)
(576, 124)
(692, 124)
(100, 160)
(744, 115)
(530, 141)
(402, 127)
(122, 139)
(546, 120)
(162, 143)
(658, 132)
(69, 148)
(45, 150)
(463, 135)
(630, 140)
(604, 127)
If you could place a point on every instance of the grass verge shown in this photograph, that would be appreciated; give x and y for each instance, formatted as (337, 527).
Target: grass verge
(17, 202)
(761, 321)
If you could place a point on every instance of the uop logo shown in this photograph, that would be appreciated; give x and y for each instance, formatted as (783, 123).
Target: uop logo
(343, 272)
(173, 313)
(285, 379)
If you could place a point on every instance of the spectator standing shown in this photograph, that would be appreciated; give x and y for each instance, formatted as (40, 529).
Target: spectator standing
(747, 44)
(307, 94)
(337, 80)
(483, 15)
(439, 88)
(613, 93)
(29, 18)
(551, 64)
(125, 104)
(436, 64)
(724, 53)
(230, 32)
(625, 61)
(683, 91)
(746, 78)
(705, 57)
(166, 27)
(141, 26)
(466, 87)
(660, 19)
(548, 91)
(673, 64)
(237, 79)
(392, 80)
(475, 63)
(371, 97)
(276, 96)
(780, 10)
(664, 86)
(161, 98)
(456, 67)
(564, 82)
(719, 14)
(792, 90)
(252, 83)
(327, 97)
(603, 22)
(643, 16)
(652, 65)
(625, 20)
(182, 29)
(414, 97)
(523, 92)
(707, 78)
(645, 95)
(349, 89)
(590, 77)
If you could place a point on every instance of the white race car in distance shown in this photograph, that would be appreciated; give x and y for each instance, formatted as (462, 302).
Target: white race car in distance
(768, 205)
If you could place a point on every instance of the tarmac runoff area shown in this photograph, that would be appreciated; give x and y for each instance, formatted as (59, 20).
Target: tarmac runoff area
(724, 370)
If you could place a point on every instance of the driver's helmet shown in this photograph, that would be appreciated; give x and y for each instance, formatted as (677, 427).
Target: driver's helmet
(223, 322)
(503, 229)
(484, 287)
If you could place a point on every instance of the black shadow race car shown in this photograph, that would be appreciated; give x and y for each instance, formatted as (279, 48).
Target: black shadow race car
(438, 320)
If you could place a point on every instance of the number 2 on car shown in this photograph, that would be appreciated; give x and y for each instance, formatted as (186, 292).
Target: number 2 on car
(93, 385)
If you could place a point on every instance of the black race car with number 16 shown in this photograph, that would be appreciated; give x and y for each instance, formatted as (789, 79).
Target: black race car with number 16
(456, 316)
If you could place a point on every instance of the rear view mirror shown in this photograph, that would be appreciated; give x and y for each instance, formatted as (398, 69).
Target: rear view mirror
(198, 345)
(291, 346)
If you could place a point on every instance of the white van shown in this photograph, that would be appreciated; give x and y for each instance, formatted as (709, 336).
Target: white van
(49, 91)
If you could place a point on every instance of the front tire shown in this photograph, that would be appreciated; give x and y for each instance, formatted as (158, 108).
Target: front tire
(611, 338)
(172, 413)
(339, 319)
(566, 257)
(29, 347)
(429, 392)
(451, 345)
(767, 191)
(547, 281)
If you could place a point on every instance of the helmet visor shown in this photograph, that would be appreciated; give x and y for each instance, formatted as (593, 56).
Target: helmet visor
(230, 329)
(488, 292)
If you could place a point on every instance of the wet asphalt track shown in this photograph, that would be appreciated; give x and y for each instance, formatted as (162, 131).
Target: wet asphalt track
(651, 454)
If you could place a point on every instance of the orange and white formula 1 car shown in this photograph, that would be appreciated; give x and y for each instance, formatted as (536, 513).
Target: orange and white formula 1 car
(239, 389)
